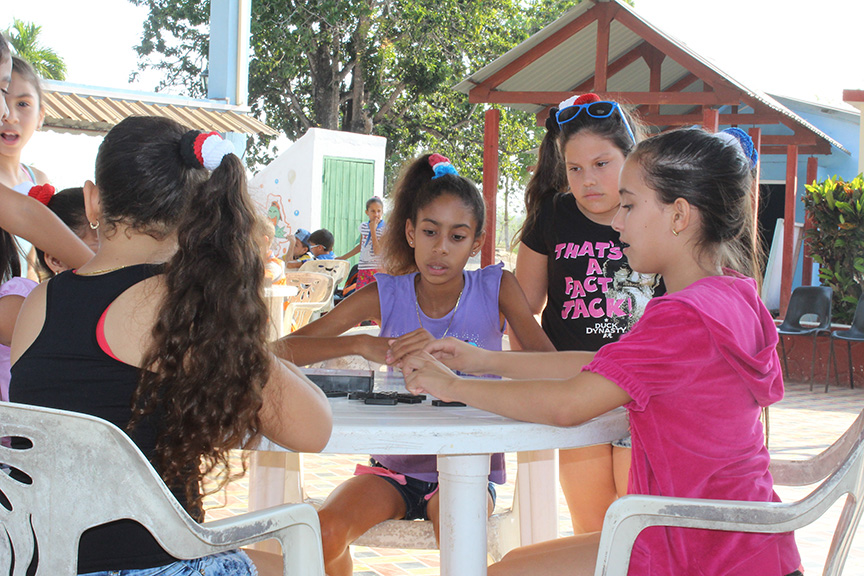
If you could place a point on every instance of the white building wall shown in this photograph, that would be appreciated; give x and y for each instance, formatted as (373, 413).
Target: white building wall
(289, 189)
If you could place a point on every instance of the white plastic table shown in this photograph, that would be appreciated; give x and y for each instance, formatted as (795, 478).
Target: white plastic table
(463, 438)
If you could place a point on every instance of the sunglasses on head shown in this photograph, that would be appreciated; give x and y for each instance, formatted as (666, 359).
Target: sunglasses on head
(602, 109)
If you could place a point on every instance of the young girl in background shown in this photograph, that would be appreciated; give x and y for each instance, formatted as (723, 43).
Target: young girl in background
(68, 205)
(370, 246)
(28, 218)
(571, 267)
(26, 114)
(141, 334)
(435, 226)
(694, 372)
(24, 216)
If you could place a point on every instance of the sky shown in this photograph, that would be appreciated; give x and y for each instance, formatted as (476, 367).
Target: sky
(809, 51)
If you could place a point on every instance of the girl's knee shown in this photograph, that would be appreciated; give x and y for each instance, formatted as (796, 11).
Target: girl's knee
(334, 532)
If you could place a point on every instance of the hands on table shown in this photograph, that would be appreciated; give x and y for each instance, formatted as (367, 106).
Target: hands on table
(429, 369)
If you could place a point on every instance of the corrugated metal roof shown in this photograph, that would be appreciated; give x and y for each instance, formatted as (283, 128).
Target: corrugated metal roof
(77, 109)
(571, 62)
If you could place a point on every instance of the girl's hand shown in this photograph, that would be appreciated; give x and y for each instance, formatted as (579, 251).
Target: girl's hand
(374, 348)
(407, 344)
(425, 375)
(459, 355)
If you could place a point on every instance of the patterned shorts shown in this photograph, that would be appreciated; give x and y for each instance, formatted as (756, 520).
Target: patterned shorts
(365, 277)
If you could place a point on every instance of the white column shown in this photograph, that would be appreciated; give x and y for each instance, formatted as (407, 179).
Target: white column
(463, 481)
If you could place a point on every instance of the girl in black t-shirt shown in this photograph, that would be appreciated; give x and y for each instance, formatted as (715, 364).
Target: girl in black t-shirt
(572, 270)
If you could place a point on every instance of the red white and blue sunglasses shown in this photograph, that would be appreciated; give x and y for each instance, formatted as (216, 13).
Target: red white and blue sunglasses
(601, 109)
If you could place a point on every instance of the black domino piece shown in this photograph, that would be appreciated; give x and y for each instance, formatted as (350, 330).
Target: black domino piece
(381, 400)
(444, 404)
(411, 398)
(336, 394)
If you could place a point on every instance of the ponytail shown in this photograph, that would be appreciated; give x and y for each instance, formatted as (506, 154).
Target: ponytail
(208, 361)
(421, 182)
(549, 177)
(10, 261)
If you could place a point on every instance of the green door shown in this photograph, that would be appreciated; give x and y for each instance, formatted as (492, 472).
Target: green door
(348, 183)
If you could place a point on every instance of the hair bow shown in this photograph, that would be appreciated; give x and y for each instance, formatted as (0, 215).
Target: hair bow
(441, 166)
(42, 193)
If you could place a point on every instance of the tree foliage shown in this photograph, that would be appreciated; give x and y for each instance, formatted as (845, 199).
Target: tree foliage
(383, 67)
(24, 38)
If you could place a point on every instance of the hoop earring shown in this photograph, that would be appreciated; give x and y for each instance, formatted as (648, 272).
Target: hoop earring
(94, 226)
(674, 232)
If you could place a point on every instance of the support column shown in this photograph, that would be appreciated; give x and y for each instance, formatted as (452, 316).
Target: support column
(710, 120)
(463, 481)
(789, 228)
(228, 60)
(807, 272)
(492, 121)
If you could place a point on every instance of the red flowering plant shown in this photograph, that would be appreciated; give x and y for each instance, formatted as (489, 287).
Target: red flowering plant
(836, 240)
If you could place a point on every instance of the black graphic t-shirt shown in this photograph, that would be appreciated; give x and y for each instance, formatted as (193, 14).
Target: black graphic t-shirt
(593, 296)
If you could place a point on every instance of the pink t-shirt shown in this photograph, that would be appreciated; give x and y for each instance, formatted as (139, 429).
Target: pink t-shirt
(14, 287)
(699, 366)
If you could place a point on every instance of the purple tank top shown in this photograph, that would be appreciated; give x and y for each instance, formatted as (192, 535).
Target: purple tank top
(476, 320)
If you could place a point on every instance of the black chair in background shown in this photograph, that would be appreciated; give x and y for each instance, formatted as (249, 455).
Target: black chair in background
(854, 334)
(806, 301)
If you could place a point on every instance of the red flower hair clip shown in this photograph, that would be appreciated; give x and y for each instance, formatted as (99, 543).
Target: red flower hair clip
(42, 193)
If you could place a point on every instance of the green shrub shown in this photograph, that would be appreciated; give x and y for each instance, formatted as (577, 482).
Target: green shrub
(836, 241)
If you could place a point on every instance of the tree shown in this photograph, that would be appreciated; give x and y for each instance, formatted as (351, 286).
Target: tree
(382, 67)
(24, 38)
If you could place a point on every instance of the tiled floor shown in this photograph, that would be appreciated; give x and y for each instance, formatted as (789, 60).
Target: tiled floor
(802, 424)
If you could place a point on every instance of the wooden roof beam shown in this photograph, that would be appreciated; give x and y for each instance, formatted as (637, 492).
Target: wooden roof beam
(696, 118)
(632, 55)
(821, 148)
(605, 14)
(719, 98)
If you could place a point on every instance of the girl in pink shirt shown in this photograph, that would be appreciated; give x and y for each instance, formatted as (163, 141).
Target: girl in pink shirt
(693, 373)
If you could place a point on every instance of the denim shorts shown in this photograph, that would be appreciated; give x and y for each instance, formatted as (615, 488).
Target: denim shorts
(231, 563)
(416, 493)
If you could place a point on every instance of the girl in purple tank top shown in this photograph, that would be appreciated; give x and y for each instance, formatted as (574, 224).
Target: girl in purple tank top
(436, 224)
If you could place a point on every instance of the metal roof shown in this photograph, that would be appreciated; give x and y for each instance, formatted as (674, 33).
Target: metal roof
(570, 63)
(78, 109)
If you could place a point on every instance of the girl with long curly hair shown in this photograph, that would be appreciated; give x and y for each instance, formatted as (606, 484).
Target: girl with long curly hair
(163, 332)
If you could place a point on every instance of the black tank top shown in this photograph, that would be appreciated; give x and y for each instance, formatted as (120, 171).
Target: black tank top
(66, 369)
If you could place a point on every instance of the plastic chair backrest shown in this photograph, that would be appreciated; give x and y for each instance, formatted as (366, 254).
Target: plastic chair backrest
(806, 300)
(70, 472)
(843, 462)
(314, 293)
(336, 268)
(857, 329)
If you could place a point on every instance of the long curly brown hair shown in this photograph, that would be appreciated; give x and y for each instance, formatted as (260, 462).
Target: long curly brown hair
(208, 361)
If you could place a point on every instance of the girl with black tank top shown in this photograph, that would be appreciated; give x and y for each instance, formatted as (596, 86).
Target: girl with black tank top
(170, 308)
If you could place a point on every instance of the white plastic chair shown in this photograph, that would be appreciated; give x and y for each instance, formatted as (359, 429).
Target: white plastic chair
(842, 463)
(338, 269)
(85, 472)
(314, 292)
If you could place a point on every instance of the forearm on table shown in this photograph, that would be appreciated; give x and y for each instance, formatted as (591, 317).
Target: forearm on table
(527, 365)
(555, 402)
(304, 350)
